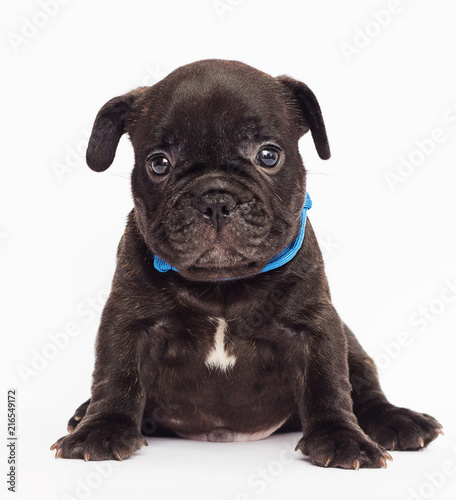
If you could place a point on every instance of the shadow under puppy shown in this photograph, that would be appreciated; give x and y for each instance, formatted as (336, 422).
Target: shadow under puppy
(219, 325)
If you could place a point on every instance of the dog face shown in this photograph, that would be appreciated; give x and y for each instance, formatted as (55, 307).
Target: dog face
(218, 182)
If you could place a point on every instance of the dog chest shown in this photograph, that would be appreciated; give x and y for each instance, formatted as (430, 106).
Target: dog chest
(215, 345)
(219, 356)
(219, 384)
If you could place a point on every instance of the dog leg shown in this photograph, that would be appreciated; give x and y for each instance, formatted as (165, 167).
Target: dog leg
(391, 427)
(111, 428)
(315, 350)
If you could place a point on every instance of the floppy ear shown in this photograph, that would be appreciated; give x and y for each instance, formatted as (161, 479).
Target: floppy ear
(311, 117)
(109, 126)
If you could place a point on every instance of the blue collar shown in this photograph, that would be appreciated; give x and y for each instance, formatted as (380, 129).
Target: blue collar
(279, 260)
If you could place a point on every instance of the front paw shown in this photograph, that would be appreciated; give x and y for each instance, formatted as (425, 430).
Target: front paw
(100, 439)
(344, 447)
(398, 428)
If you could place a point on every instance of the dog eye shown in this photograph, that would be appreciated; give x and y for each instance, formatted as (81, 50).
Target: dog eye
(159, 164)
(268, 157)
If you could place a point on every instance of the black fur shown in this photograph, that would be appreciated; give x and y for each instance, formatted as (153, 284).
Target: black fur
(298, 367)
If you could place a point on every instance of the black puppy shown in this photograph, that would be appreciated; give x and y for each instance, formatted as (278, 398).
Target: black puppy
(220, 325)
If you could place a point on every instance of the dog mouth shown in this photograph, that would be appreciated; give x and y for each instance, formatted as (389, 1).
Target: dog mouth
(201, 246)
(220, 256)
(197, 243)
(221, 263)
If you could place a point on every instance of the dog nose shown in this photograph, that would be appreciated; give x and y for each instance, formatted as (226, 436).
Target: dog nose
(216, 206)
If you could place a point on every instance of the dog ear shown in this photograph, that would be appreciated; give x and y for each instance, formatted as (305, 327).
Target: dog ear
(310, 114)
(109, 126)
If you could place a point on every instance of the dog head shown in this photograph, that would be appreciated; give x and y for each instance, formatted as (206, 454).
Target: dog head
(218, 182)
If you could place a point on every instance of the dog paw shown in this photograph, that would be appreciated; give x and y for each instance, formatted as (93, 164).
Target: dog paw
(79, 414)
(100, 439)
(398, 428)
(342, 447)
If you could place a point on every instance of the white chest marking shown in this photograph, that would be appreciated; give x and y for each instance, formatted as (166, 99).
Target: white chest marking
(218, 357)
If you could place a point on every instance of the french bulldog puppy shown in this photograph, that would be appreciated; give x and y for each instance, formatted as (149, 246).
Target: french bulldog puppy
(213, 330)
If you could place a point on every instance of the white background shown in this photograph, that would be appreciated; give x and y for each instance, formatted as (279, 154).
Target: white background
(390, 251)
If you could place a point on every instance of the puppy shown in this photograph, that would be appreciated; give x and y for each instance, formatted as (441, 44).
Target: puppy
(220, 325)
